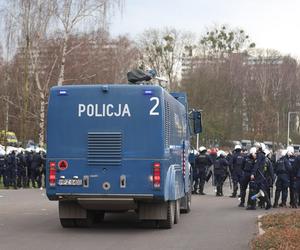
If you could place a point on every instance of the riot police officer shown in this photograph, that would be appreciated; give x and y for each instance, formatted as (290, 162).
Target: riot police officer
(261, 166)
(32, 167)
(282, 170)
(6, 173)
(43, 167)
(258, 181)
(191, 158)
(35, 168)
(22, 180)
(291, 157)
(268, 173)
(296, 171)
(221, 168)
(39, 169)
(13, 169)
(1, 168)
(236, 169)
(202, 163)
(248, 175)
(28, 159)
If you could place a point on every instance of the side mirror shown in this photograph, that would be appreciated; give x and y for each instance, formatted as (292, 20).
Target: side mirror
(197, 122)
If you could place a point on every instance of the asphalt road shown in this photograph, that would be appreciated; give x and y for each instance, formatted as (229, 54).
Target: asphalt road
(29, 221)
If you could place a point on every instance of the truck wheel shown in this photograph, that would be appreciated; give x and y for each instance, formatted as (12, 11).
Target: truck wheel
(99, 216)
(187, 202)
(168, 223)
(67, 223)
(87, 222)
(177, 211)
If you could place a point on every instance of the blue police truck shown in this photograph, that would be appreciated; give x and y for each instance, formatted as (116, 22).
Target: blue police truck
(119, 147)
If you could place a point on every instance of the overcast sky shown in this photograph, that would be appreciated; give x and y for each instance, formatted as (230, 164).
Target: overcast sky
(273, 24)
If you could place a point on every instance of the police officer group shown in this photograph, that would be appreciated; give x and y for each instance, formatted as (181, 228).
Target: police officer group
(22, 170)
(256, 171)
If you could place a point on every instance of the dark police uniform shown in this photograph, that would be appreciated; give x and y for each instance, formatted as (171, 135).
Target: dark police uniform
(268, 173)
(1, 168)
(32, 167)
(6, 172)
(22, 178)
(191, 159)
(13, 169)
(282, 170)
(236, 170)
(220, 172)
(248, 167)
(296, 172)
(291, 159)
(202, 162)
(43, 161)
(257, 183)
(28, 159)
(261, 182)
(35, 168)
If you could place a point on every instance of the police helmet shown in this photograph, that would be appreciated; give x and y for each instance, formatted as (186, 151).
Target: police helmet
(252, 151)
(257, 145)
(263, 146)
(202, 148)
(237, 147)
(221, 153)
(283, 152)
(290, 150)
(267, 152)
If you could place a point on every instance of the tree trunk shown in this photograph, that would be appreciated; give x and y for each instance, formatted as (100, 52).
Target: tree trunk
(25, 95)
(42, 109)
(63, 61)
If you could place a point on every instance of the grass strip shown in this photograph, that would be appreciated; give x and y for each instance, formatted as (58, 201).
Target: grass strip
(282, 232)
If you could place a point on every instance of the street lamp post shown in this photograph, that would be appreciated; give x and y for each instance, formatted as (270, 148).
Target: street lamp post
(288, 129)
(277, 116)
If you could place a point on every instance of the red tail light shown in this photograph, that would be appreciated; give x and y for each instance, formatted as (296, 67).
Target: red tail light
(62, 165)
(156, 175)
(52, 173)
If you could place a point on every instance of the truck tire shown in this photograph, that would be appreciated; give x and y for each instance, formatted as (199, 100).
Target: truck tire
(87, 222)
(168, 223)
(187, 202)
(177, 211)
(67, 223)
(99, 216)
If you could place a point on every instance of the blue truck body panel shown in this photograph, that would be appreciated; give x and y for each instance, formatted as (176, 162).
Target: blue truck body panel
(109, 131)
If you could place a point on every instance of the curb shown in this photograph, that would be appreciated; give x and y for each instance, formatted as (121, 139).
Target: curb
(260, 230)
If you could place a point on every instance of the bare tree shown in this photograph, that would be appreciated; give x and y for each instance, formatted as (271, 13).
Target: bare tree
(70, 13)
(163, 51)
(10, 17)
(40, 19)
(221, 41)
(100, 59)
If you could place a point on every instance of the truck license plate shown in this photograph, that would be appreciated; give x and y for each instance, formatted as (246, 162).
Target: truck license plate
(70, 182)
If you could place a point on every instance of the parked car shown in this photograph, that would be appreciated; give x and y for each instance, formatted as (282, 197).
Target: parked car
(8, 138)
(296, 148)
